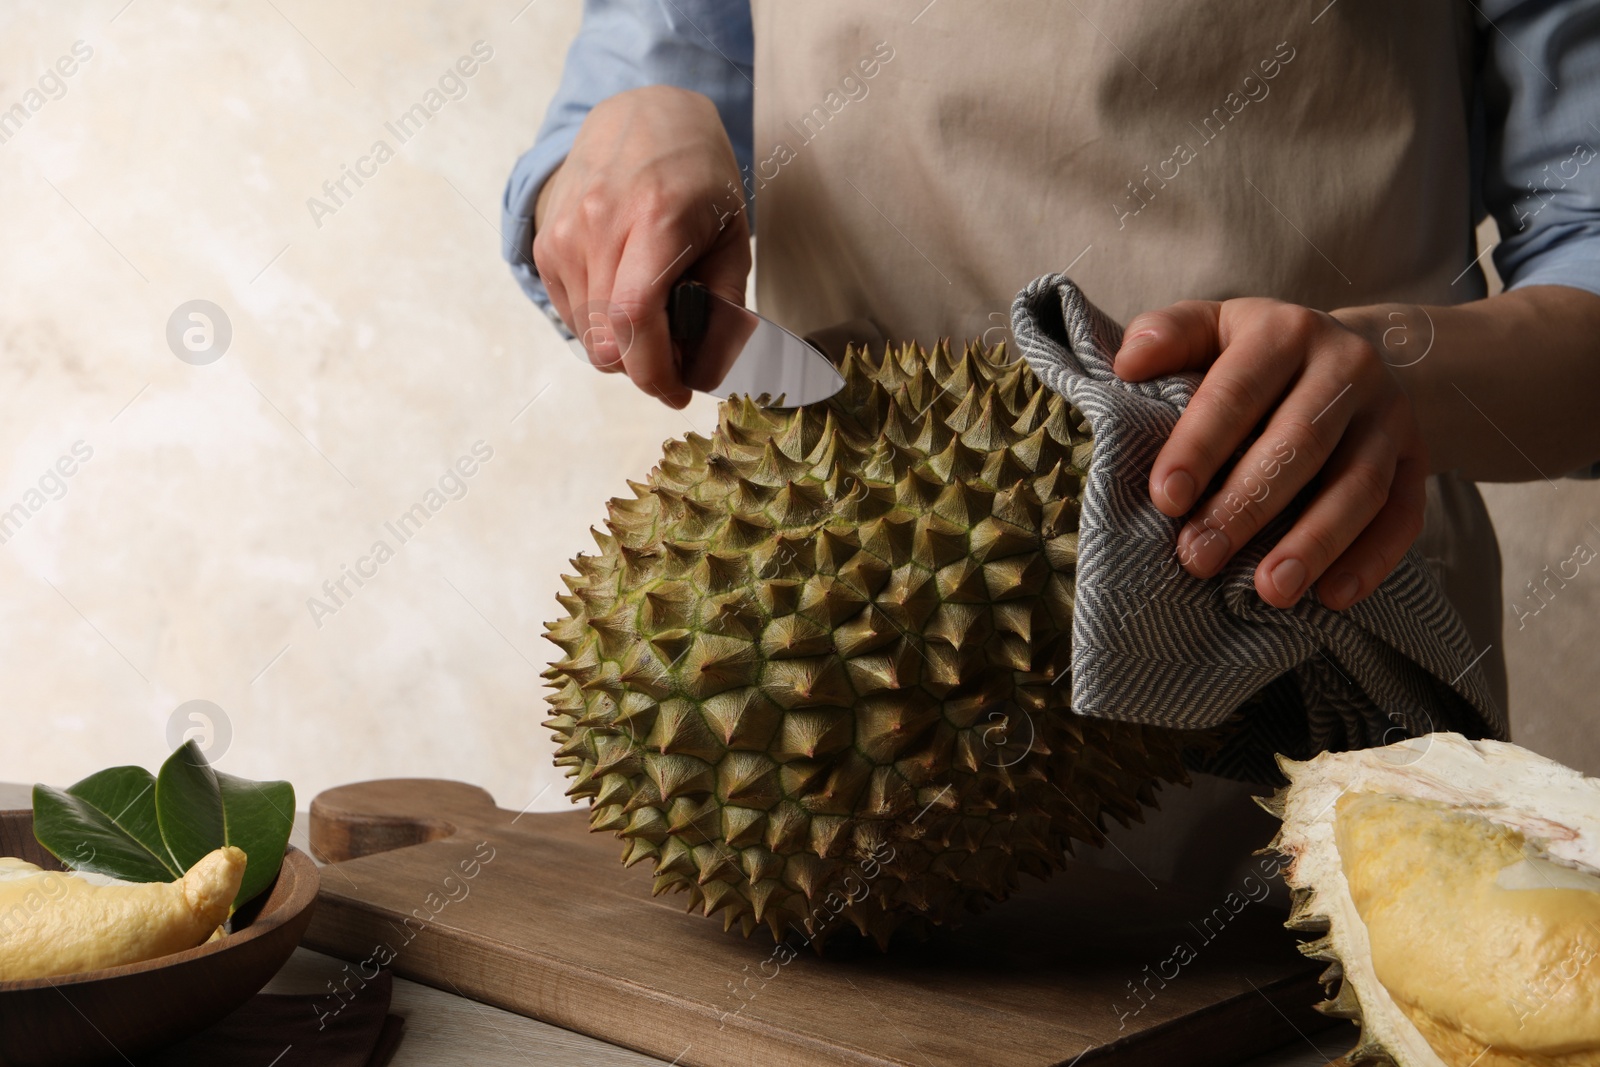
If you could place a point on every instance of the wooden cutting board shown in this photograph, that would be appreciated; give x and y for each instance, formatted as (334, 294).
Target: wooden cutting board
(535, 914)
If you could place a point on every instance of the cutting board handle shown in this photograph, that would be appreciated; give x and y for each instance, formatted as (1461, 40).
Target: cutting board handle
(363, 818)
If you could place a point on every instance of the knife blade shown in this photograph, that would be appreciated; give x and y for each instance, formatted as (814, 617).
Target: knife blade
(730, 350)
(726, 350)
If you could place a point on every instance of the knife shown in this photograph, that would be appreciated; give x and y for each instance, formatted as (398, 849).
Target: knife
(725, 349)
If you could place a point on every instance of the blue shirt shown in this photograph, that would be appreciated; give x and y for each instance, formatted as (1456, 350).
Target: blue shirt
(1534, 151)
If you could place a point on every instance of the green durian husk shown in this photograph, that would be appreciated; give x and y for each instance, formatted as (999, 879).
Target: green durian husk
(817, 674)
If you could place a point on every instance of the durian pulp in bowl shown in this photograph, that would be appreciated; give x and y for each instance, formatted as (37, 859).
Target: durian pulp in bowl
(1457, 887)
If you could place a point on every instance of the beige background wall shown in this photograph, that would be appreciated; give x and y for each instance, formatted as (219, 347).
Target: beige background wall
(1552, 658)
(368, 354)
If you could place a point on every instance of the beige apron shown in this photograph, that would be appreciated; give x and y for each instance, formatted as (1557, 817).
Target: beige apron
(918, 163)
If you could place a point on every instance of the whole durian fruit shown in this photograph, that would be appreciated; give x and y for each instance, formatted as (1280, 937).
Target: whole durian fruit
(815, 674)
(1454, 888)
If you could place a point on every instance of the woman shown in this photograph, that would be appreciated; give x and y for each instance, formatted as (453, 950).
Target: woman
(1292, 188)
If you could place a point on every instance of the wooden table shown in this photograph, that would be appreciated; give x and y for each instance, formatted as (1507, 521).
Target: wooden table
(446, 1030)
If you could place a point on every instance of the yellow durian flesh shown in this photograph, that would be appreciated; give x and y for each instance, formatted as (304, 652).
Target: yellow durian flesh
(58, 923)
(1451, 886)
(1489, 949)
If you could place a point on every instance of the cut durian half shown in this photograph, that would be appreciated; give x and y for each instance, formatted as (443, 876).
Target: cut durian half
(1453, 887)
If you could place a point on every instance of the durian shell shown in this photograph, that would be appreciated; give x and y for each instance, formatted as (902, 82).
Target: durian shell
(817, 674)
(1508, 784)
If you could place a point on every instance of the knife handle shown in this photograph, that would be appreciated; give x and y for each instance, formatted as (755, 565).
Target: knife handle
(688, 308)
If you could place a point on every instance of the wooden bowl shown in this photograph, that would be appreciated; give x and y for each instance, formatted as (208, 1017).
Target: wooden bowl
(117, 1013)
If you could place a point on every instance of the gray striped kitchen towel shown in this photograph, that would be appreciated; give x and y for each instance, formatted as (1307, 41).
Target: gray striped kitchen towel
(1152, 644)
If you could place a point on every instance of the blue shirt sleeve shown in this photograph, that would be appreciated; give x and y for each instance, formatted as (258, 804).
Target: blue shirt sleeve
(704, 45)
(1540, 92)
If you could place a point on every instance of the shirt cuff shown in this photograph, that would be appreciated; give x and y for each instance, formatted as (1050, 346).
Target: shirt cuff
(1566, 252)
(516, 216)
(1573, 272)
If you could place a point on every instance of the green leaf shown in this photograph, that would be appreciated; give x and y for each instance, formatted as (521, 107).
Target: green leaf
(106, 824)
(189, 805)
(260, 817)
(200, 809)
(129, 824)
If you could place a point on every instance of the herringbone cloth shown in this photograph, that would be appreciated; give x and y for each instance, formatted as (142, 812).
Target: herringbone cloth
(1152, 644)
